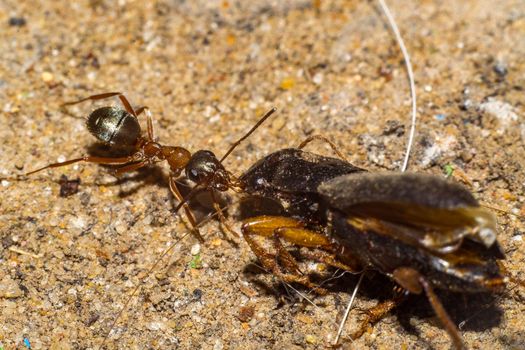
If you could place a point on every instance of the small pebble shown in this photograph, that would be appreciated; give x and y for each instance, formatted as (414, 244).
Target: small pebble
(155, 326)
(9, 289)
(287, 83)
(120, 227)
(310, 339)
(218, 345)
(68, 187)
(318, 78)
(500, 69)
(246, 313)
(195, 249)
(47, 77)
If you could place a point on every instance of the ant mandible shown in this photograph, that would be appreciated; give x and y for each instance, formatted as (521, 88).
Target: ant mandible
(119, 127)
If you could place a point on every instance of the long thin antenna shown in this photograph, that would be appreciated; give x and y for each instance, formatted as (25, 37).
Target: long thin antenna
(348, 308)
(139, 284)
(408, 65)
(264, 117)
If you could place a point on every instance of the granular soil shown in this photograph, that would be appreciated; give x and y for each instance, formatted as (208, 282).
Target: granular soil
(208, 70)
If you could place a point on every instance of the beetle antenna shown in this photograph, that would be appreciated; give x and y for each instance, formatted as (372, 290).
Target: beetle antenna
(406, 57)
(410, 73)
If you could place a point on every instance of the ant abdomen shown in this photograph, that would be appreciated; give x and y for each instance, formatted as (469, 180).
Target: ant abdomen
(114, 126)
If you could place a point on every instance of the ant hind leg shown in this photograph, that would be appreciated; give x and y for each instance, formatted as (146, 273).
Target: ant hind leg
(149, 121)
(88, 159)
(103, 96)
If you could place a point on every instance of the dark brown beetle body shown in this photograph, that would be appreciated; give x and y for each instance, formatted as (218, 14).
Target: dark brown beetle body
(388, 221)
(291, 177)
(422, 231)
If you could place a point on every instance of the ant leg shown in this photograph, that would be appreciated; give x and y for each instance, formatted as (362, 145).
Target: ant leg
(324, 139)
(189, 214)
(220, 215)
(129, 168)
(103, 96)
(149, 120)
(88, 159)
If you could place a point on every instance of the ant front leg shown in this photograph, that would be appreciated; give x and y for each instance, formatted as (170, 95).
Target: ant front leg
(189, 214)
(220, 215)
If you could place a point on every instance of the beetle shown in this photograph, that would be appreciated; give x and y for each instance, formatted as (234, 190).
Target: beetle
(422, 231)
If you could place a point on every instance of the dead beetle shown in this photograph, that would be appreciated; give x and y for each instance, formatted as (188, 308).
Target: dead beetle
(422, 231)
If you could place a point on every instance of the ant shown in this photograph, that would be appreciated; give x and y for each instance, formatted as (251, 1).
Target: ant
(120, 128)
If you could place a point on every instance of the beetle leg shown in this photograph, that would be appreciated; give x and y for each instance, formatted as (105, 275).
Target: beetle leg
(442, 314)
(285, 257)
(289, 229)
(414, 282)
(330, 259)
(376, 313)
(324, 139)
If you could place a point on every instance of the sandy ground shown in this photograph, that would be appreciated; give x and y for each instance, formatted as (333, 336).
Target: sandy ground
(207, 69)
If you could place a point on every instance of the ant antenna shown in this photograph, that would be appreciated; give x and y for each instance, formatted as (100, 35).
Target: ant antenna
(230, 150)
(234, 145)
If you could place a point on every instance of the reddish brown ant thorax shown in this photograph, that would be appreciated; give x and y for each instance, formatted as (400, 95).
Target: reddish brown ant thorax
(177, 157)
(152, 149)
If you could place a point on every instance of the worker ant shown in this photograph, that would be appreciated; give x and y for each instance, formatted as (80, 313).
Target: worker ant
(120, 128)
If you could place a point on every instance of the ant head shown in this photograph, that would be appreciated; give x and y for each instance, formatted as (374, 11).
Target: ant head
(205, 168)
(114, 126)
